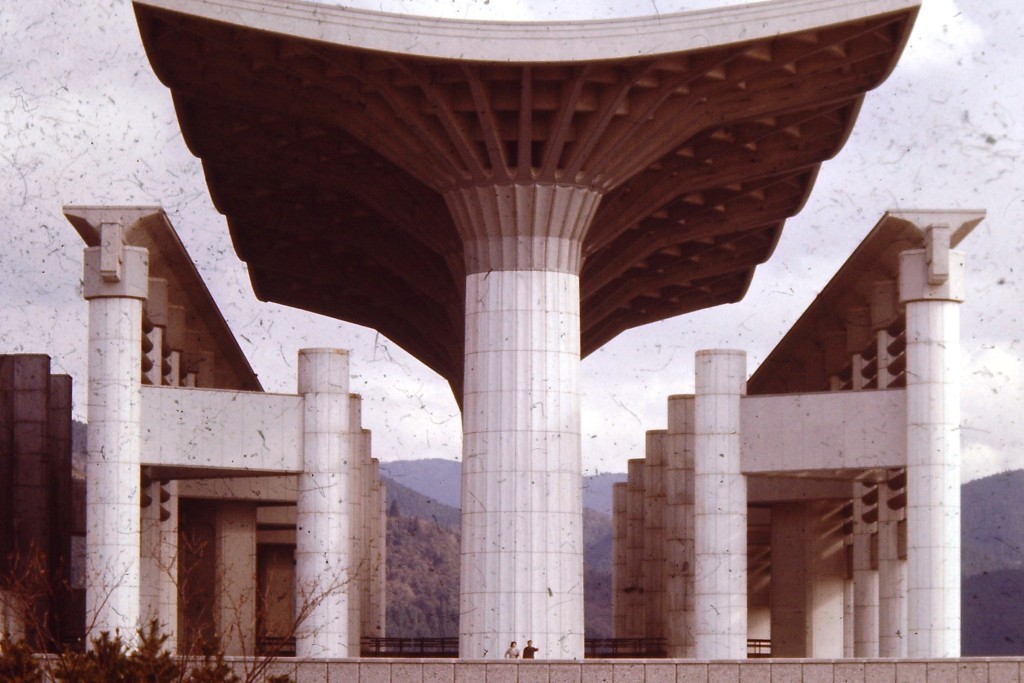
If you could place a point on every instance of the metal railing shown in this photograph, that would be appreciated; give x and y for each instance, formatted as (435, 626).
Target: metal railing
(625, 648)
(594, 648)
(409, 647)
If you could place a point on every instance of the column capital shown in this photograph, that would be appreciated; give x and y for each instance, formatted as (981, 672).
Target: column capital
(935, 273)
(132, 283)
(113, 269)
(528, 226)
(920, 280)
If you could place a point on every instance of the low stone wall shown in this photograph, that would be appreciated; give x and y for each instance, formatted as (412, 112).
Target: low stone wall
(996, 670)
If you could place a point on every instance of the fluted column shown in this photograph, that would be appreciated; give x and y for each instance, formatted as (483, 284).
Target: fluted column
(654, 536)
(116, 283)
(359, 443)
(679, 527)
(323, 543)
(720, 507)
(865, 580)
(636, 606)
(620, 553)
(378, 587)
(892, 580)
(522, 543)
(931, 288)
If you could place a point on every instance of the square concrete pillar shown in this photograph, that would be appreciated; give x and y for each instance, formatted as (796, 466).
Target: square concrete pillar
(235, 599)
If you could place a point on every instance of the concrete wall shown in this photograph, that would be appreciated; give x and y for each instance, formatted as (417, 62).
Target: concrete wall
(1002, 670)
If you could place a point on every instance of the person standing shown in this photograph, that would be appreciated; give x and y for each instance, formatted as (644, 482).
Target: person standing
(529, 650)
(512, 652)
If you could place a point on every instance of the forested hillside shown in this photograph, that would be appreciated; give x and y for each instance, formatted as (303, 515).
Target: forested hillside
(423, 578)
(423, 552)
(993, 565)
(423, 567)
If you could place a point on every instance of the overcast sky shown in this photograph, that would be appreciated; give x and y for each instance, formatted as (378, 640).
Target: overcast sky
(84, 121)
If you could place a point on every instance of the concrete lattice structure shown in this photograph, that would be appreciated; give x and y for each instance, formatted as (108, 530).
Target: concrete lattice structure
(506, 198)
(853, 493)
(199, 484)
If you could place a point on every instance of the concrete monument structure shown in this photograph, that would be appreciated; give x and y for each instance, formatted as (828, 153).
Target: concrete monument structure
(816, 505)
(199, 484)
(501, 199)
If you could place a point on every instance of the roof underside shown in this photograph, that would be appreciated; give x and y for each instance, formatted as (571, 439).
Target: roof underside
(838, 322)
(330, 161)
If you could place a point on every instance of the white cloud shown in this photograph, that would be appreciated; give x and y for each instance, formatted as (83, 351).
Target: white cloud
(993, 393)
(980, 460)
(943, 36)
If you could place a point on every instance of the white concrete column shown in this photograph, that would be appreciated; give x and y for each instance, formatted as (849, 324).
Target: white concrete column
(167, 509)
(235, 596)
(865, 580)
(378, 595)
(522, 500)
(360, 558)
(654, 535)
(827, 563)
(808, 577)
(720, 517)
(522, 509)
(159, 559)
(116, 283)
(636, 606)
(323, 537)
(848, 613)
(679, 557)
(931, 288)
(620, 551)
(371, 506)
(790, 584)
(892, 580)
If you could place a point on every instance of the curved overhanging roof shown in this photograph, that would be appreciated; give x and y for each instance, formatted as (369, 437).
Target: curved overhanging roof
(328, 137)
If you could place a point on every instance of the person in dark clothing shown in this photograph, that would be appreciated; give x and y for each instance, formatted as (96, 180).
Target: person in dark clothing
(529, 650)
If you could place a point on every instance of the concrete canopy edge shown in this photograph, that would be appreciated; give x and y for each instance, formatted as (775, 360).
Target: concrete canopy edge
(536, 42)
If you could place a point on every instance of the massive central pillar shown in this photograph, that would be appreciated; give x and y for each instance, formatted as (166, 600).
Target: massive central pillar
(522, 544)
